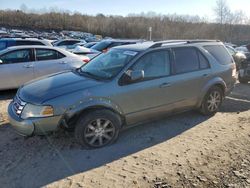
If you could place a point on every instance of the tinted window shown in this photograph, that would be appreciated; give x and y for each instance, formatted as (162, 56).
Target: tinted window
(46, 54)
(203, 61)
(2, 45)
(154, 64)
(186, 60)
(35, 43)
(21, 43)
(101, 45)
(67, 43)
(16, 56)
(220, 53)
(89, 45)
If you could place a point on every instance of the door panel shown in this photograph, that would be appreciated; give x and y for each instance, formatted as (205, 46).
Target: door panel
(149, 97)
(16, 69)
(145, 100)
(48, 62)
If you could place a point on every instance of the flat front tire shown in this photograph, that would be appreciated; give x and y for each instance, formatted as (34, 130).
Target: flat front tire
(212, 101)
(97, 128)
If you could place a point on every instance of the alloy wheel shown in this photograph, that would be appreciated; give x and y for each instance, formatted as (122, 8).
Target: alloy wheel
(99, 132)
(214, 101)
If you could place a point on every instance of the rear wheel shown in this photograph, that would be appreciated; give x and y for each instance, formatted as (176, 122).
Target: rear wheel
(98, 128)
(212, 101)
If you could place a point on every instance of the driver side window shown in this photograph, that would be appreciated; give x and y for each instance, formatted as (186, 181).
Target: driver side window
(154, 64)
(17, 56)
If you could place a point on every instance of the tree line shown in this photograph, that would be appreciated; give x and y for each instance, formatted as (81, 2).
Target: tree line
(229, 28)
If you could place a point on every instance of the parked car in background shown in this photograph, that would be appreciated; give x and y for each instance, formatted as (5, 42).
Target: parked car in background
(21, 64)
(81, 50)
(239, 57)
(242, 49)
(67, 43)
(105, 45)
(127, 85)
(90, 44)
(8, 42)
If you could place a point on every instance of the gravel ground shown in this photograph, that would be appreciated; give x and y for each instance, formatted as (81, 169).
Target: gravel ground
(185, 150)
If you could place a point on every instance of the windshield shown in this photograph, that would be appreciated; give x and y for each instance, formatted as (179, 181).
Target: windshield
(101, 45)
(108, 65)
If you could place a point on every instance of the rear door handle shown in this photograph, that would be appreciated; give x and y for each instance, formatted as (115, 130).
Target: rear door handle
(28, 66)
(165, 85)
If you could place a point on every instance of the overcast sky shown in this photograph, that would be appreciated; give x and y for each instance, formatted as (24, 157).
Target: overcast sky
(203, 8)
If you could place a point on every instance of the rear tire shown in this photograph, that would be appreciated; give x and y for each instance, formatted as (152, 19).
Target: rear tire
(212, 101)
(98, 128)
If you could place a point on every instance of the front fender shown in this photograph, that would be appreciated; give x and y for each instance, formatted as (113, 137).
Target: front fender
(89, 103)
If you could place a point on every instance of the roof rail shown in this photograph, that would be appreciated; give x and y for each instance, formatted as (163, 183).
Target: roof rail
(160, 43)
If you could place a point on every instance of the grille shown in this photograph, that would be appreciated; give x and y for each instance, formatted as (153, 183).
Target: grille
(18, 105)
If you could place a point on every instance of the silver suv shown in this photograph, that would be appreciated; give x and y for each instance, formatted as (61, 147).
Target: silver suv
(126, 86)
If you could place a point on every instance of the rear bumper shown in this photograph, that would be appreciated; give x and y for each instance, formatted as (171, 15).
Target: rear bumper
(32, 126)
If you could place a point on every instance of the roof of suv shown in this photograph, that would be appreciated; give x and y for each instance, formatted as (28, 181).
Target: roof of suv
(150, 44)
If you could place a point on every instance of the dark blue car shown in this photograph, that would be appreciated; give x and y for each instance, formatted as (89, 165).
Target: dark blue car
(8, 42)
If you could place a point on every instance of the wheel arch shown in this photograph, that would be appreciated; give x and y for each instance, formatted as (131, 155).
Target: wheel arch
(218, 82)
(71, 117)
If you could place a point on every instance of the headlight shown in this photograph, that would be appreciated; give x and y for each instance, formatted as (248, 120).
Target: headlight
(36, 111)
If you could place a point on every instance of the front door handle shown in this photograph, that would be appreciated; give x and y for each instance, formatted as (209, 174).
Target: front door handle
(205, 75)
(28, 66)
(62, 62)
(165, 85)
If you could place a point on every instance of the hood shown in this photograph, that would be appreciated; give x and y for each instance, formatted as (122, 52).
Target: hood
(39, 91)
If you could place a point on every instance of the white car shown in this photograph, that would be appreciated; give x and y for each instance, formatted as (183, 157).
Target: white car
(21, 64)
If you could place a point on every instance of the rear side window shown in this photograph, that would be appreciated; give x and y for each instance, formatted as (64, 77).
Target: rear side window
(2, 45)
(35, 43)
(47, 54)
(220, 53)
(186, 60)
(27, 42)
(67, 43)
(204, 64)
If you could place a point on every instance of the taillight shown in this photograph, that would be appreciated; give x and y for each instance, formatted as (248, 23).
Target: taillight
(86, 60)
(105, 50)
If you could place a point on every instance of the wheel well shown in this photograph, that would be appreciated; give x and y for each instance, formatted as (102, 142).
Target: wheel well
(71, 122)
(221, 87)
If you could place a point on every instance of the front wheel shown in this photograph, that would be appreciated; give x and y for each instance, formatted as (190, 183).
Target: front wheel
(98, 128)
(212, 101)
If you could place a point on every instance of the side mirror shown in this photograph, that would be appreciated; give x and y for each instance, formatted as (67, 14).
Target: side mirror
(131, 76)
(136, 75)
(1, 61)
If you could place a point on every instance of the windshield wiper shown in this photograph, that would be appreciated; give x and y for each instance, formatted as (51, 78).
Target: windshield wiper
(89, 74)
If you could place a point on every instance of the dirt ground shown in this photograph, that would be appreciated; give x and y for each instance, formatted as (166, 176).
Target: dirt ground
(185, 150)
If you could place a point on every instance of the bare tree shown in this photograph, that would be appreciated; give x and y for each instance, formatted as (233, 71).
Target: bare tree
(222, 11)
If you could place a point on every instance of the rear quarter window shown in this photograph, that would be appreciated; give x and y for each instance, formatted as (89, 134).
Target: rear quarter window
(2, 45)
(220, 53)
